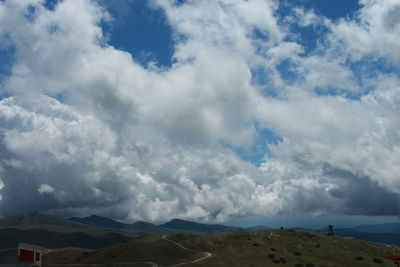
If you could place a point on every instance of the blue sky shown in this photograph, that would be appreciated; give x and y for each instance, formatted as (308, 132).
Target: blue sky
(144, 32)
(215, 111)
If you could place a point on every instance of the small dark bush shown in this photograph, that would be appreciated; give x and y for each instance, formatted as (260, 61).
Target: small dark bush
(310, 265)
(359, 258)
(256, 244)
(78, 259)
(85, 253)
(273, 249)
(113, 256)
(377, 260)
(276, 261)
(298, 265)
(283, 260)
(297, 253)
(271, 256)
(317, 245)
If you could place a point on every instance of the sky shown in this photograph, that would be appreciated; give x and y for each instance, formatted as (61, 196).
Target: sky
(229, 111)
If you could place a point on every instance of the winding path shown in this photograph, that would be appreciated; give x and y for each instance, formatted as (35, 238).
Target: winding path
(206, 253)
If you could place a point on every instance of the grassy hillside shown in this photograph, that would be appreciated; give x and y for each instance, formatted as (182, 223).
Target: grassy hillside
(154, 249)
(246, 248)
(100, 221)
(10, 237)
(37, 218)
(199, 227)
(137, 229)
(54, 232)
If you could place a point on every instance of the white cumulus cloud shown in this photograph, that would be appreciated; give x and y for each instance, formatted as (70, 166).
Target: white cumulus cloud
(89, 130)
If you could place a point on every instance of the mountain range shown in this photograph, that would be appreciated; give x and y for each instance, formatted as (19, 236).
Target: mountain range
(97, 231)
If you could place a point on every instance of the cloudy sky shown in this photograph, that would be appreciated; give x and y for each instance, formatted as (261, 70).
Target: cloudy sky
(208, 110)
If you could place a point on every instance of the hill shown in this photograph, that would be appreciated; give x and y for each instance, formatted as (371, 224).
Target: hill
(138, 228)
(379, 228)
(199, 227)
(245, 248)
(54, 232)
(99, 221)
(38, 219)
(387, 238)
(10, 237)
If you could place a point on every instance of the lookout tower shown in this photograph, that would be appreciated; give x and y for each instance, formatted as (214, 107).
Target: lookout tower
(330, 230)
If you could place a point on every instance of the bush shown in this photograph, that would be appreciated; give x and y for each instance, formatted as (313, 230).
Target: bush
(283, 260)
(298, 265)
(297, 253)
(276, 261)
(271, 256)
(273, 249)
(377, 260)
(256, 244)
(310, 265)
(317, 245)
(359, 258)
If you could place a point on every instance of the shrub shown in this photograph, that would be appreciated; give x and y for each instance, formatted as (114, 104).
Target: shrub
(297, 253)
(298, 265)
(359, 258)
(276, 261)
(273, 249)
(271, 256)
(317, 245)
(256, 244)
(310, 265)
(283, 260)
(377, 260)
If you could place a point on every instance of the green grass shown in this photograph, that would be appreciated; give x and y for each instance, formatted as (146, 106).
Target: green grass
(248, 248)
(153, 249)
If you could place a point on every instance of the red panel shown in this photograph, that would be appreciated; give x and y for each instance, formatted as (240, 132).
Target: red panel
(37, 256)
(26, 255)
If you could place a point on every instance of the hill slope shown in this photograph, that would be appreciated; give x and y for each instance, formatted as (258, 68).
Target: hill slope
(54, 232)
(10, 237)
(138, 228)
(379, 228)
(387, 238)
(246, 248)
(99, 221)
(199, 227)
(36, 219)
